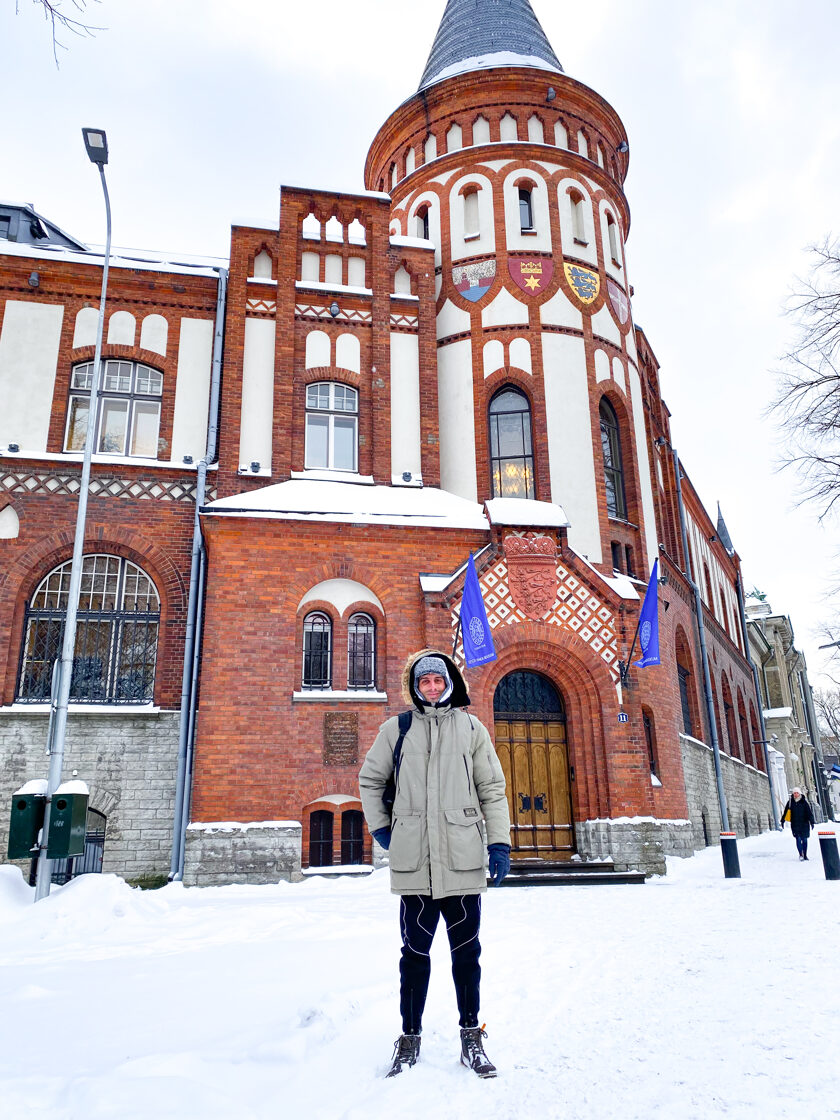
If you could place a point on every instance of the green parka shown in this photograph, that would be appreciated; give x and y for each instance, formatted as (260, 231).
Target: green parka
(449, 779)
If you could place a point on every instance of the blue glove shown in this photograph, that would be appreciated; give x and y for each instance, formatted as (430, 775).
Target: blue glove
(499, 862)
(382, 836)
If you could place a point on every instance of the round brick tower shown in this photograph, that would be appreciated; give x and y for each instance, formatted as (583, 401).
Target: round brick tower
(514, 172)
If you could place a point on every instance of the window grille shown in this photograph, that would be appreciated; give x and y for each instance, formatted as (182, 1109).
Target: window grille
(129, 409)
(523, 695)
(511, 449)
(352, 838)
(613, 469)
(332, 426)
(89, 863)
(320, 838)
(361, 643)
(317, 649)
(116, 634)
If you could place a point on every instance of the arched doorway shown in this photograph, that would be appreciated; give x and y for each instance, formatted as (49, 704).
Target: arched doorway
(530, 720)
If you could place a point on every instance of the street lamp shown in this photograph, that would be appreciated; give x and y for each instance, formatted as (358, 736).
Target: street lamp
(96, 144)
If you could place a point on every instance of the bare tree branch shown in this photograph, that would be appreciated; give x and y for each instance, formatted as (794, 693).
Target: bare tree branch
(60, 20)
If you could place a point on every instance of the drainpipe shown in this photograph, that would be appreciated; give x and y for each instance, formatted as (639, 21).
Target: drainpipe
(198, 563)
(707, 679)
(739, 590)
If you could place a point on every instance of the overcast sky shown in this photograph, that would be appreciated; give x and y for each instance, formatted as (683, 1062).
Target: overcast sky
(731, 108)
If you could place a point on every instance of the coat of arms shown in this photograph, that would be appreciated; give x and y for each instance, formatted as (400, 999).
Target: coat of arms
(474, 281)
(532, 276)
(532, 573)
(585, 283)
(618, 299)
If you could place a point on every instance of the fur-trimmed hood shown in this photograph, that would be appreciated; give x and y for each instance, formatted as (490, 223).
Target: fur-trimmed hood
(460, 697)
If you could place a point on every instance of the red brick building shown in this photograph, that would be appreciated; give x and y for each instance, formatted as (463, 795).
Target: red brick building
(445, 363)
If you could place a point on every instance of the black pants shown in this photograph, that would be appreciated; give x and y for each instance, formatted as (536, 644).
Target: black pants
(419, 915)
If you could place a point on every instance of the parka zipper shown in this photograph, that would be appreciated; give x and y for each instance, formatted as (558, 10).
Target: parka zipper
(467, 769)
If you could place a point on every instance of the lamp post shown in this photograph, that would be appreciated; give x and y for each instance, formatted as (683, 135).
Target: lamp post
(96, 144)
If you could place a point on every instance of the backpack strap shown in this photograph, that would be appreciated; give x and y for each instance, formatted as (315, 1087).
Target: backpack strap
(404, 722)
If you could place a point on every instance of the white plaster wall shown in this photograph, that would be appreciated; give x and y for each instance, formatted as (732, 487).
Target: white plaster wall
(430, 149)
(405, 404)
(602, 366)
(571, 248)
(454, 138)
(192, 389)
(603, 326)
(348, 352)
(356, 272)
(503, 310)
(410, 161)
(618, 374)
(402, 282)
(333, 270)
(451, 320)
(643, 463)
(154, 333)
(310, 266)
(631, 345)
(341, 593)
(486, 241)
(540, 240)
(257, 393)
(318, 349)
(520, 354)
(9, 524)
(84, 330)
(508, 128)
(456, 419)
(262, 265)
(494, 356)
(28, 356)
(559, 311)
(569, 431)
(481, 131)
(122, 328)
(561, 138)
(535, 130)
(495, 164)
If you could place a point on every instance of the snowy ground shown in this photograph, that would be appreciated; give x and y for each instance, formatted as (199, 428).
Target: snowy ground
(689, 997)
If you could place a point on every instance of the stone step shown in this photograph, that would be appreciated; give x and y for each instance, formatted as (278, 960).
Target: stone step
(550, 866)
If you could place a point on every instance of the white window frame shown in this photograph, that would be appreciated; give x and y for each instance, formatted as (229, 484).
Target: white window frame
(332, 413)
(81, 380)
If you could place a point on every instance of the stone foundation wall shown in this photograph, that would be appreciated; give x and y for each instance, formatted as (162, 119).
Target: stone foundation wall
(229, 852)
(747, 792)
(634, 843)
(129, 762)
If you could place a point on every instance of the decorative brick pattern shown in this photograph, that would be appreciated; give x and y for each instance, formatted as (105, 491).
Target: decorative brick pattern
(43, 482)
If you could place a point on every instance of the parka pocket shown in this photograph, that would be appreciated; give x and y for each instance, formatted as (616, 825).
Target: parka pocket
(406, 850)
(464, 840)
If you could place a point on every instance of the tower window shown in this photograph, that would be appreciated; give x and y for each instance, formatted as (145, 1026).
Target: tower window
(613, 470)
(526, 210)
(511, 449)
(332, 426)
(423, 223)
(615, 254)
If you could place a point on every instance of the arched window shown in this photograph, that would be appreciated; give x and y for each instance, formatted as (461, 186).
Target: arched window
(578, 220)
(650, 737)
(688, 696)
(746, 743)
(317, 651)
(361, 652)
(612, 236)
(129, 409)
(511, 450)
(116, 634)
(321, 838)
(729, 716)
(332, 426)
(526, 210)
(613, 470)
(352, 837)
(423, 222)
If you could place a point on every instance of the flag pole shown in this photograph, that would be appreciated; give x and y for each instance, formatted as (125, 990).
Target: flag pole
(457, 632)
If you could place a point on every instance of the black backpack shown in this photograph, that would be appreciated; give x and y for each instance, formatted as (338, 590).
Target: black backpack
(389, 793)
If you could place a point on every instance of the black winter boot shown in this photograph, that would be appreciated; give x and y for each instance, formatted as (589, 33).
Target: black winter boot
(406, 1053)
(472, 1052)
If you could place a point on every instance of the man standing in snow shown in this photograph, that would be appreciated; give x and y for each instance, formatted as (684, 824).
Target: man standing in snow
(448, 778)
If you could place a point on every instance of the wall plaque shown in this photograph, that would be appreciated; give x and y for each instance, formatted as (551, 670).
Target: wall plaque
(341, 738)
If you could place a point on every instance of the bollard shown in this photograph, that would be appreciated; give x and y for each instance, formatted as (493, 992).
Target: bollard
(729, 851)
(828, 850)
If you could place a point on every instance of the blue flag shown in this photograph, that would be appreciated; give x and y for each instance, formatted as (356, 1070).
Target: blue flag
(475, 629)
(649, 622)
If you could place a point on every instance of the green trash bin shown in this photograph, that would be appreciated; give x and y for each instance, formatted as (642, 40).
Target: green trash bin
(68, 816)
(26, 819)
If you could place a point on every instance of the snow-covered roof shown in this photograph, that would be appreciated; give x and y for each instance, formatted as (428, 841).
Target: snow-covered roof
(135, 259)
(411, 242)
(331, 501)
(526, 511)
(481, 34)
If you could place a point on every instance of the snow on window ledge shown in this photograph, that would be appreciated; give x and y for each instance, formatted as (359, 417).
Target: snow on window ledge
(83, 709)
(358, 695)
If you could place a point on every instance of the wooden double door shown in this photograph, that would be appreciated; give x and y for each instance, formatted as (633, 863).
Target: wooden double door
(530, 723)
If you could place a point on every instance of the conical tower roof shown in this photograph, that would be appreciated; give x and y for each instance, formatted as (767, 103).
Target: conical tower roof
(482, 34)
